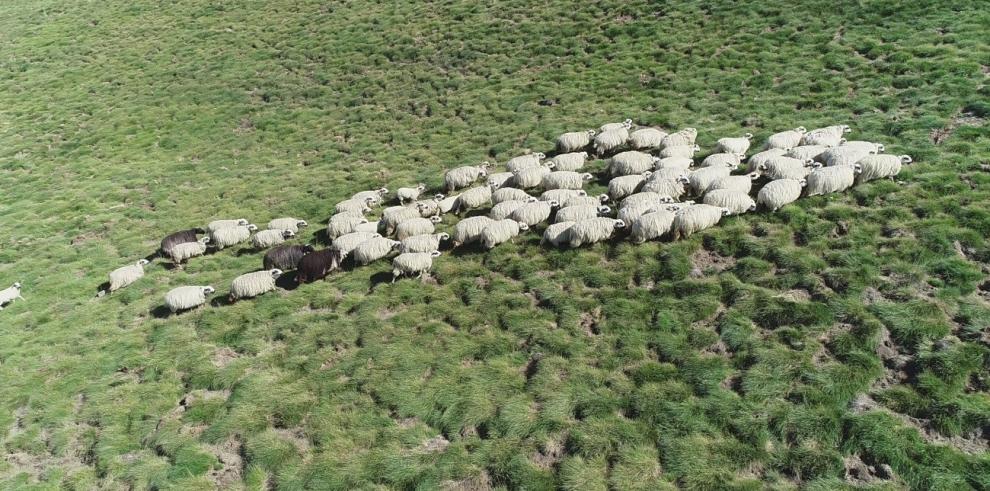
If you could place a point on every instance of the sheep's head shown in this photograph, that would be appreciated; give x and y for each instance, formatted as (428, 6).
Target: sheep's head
(395, 244)
(376, 235)
(591, 133)
(308, 248)
(587, 176)
(762, 167)
(204, 240)
(846, 128)
(523, 226)
(484, 171)
(754, 175)
(604, 210)
(726, 212)
(531, 199)
(748, 136)
(420, 187)
(880, 147)
(801, 129)
(550, 165)
(302, 223)
(436, 219)
(287, 234)
(383, 191)
(435, 254)
(656, 160)
(803, 182)
(683, 179)
(647, 174)
(693, 131)
(581, 192)
(486, 164)
(443, 236)
(208, 290)
(275, 272)
(553, 203)
(809, 162)
(242, 221)
(603, 198)
(17, 285)
(905, 159)
(252, 227)
(816, 165)
(370, 200)
(857, 169)
(619, 224)
(142, 262)
(696, 148)
(439, 196)
(842, 141)
(627, 123)
(540, 155)
(666, 199)
(752, 207)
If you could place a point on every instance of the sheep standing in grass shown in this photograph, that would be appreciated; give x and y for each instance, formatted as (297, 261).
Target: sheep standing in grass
(574, 141)
(533, 212)
(738, 145)
(687, 136)
(829, 136)
(187, 297)
(786, 139)
(226, 237)
(359, 206)
(500, 179)
(180, 237)
(509, 194)
(376, 195)
(562, 195)
(371, 227)
(285, 257)
(629, 213)
(832, 179)
(573, 161)
(291, 224)
(566, 180)
(734, 201)
(446, 205)
(758, 159)
(615, 126)
(253, 284)
(317, 265)
(581, 200)
(469, 229)
(675, 163)
(219, 224)
(416, 226)
(684, 151)
(500, 231)
(701, 179)
(423, 243)
(806, 152)
(374, 249)
(462, 177)
(345, 244)
(740, 184)
(730, 160)
(408, 195)
(583, 212)
(593, 230)
(881, 166)
(476, 197)
(778, 193)
(843, 155)
(623, 186)
(696, 218)
(870, 146)
(268, 238)
(502, 210)
(608, 141)
(124, 276)
(787, 168)
(9, 294)
(430, 207)
(630, 162)
(179, 253)
(651, 226)
(408, 263)
(394, 215)
(344, 223)
(646, 138)
(556, 233)
(527, 161)
(532, 177)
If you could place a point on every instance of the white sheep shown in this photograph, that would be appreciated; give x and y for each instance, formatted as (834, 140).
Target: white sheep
(11, 293)
(462, 177)
(581, 200)
(476, 197)
(830, 136)
(126, 275)
(623, 186)
(843, 155)
(181, 252)
(423, 243)
(253, 284)
(741, 184)
(562, 195)
(344, 223)
(500, 231)
(366, 226)
(531, 177)
(806, 152)
(630, 162)
(502, 210)
(446, 205)
(730, 160)
(831, 179)
(739, 145)
(573, 161)
(593, 230)
(786, 139)
(675, 163)
(778, 193)
(268, 238)
(686, 151)
(408, 263)
(647, 197)
(646, 138)
(696, 218)
(376, 195)
(374, 249)
(499, 179)
(345, 244)
(701, 179)
(664, 186)
(187, 297)
(354, 206)
(875, 147)
(229, 236)
(509, 194)
(628, 214)
(556, 233)
(533, 212)
(881, 166)
(430, 207)
(758, 159)
(582, 212)
(469, 229)
(394, 215)
(610, 140)
(408, 195)
(416, 226)
(687, 136)
(527, 161)
(575, 140)
(651, 226)
(669, 173)
(615, 126)
(293, 224)
(565, 180)
(787, 168)
(734, 201)
(219, 224)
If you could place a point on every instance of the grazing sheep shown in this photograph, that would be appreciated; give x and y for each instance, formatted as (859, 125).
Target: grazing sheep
(881, 166)
(741, 184)
(126, 275)
(831, 179)
(187, 297)
(408, 195)
(285, 257)
(573, 161)
(623, 186)
(574, 140)
(646, 197)
(806, 152)
(317, 265)
(843, 155)
(394, 215)
(787, 168)
(686, 151)
(775, 194)
(758, 159)
(556, 234)
(475, 197)
(874, 147)
(564, 179)
(509, 194)
(268, 238)
(669, 173)
(829, 136)
(354, 206)
(499, 179)
(687, 136)
(408, 263)
(179, 253)
(646, 138)
(675, 163)
(374, 249)
(446, 205)
(179, 237)
(664, 186)
(253, 284)
(651, 226)
(562, 195)
(734, 201)
(462, 177)
(738, 145)
(583, 212)
(630, 162)
(423, 243)
(615, 126)
(610, 140)
(532, 177)
(696, 218)
(430, 207)
(730, 160)
(786, 139)
(416, 226)
(9, 294)
(469, 229)
(371, 227)
(500, 231)
(344, 223)
(527, 161)
(346, 243)
(290, 224)
(701, 179)
(219, 224)
(226, 237)
(533, 212)
(592, 230)
(376, 195)
(502, 210)
(581, 200)
(630, 213)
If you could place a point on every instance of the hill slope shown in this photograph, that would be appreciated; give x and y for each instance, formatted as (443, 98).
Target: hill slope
(787, 349)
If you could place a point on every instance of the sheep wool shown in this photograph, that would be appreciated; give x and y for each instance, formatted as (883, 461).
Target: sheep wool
(630, 162)
(843, 155)
(290, 224)
(409, 263)
(267, 238)
(778, 193)
(556, 234)
(566, 180)
(610, 140)
(730, 160)
(592, 230)
(179, 253)
(253, 284)
(675, 163)
(469, 229)
(651, 226)
(629, 214)
(533, 212)
(344, 223)
(532, 177)
(829, 136)
(758, 159)
(394, 215)
(179, 237)
(502, 210)
(462, 177)
(614, 126)
(375, 195)
(686, 151)
(499, 179)
(187, 297)
(669, 174)
(734, 201)
(672, 188)
(227, 237)
(623, 186)
(806, 152)
(687, 136)
(574, 140)
(446, 205)
(739, 184)
(881, 166)
(831, 179)
(646, 138)
(696, 218)
(374, 249)
(124, 276)
(317, 265)
(874, 147)
(581, 200)
(219, 224)
(9, 294)
(701, 179)
(573, 161)
(345, 244)
(645, 197)
(423, 243)
(365, 227)
(353, 206)
(562, 195)
(528, 161)
(509, 194)
(786, 139)
(429, 207)
(416, 226)
(285, 257)
(500, 231)
(738, 145)
(475, 197)
(582, 212)
(786, 168)
(408, 195)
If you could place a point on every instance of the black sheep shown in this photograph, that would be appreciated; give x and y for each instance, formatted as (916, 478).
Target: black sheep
(179, 238)
(316, 265)
(286, 257)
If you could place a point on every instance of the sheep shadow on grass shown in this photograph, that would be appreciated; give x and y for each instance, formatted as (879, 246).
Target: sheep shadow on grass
(161, 312)
(102, 289)
(287, 281)
(221, 301)
(378, 279)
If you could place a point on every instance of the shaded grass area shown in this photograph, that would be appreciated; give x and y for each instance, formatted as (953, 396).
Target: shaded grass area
(613, 367)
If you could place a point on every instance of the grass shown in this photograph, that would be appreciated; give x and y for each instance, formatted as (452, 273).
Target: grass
(611, 367)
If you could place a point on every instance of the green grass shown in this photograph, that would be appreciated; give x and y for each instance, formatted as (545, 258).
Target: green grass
(610, 367)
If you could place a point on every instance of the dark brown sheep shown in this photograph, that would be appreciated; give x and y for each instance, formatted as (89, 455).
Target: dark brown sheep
(316, 265)
(180, 237)
(286, 257)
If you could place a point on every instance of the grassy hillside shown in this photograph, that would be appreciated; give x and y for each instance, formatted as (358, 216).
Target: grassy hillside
(778, 350)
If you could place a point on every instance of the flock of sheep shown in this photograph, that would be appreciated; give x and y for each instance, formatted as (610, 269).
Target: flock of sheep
(650, 174)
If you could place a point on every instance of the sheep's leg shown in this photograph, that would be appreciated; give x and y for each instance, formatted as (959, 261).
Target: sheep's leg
(19, 296)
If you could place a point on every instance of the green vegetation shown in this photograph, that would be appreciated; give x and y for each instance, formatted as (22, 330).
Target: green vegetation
(772, 351)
